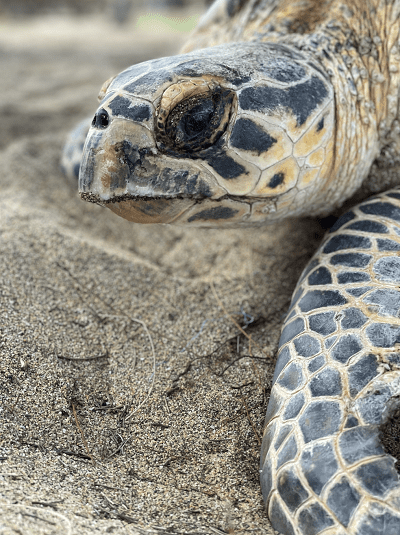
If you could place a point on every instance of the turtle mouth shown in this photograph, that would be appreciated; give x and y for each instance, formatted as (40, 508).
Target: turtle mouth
(144, 209)
(196, 198)
(226, 211)
(123, 163)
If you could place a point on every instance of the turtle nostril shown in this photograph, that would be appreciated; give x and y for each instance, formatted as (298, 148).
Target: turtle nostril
(101, 119)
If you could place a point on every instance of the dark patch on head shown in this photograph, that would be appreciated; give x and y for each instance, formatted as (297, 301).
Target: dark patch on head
(197, 187)
(195, 68)
(172, 182)
(122, 107)
(167, 182)
(283, 70)
(130, 156)
(302, 99)
(320, 125)
(226, 166)
(276, 180)
(247, 135)
(150, 82)
(218, 212)
(126, 76)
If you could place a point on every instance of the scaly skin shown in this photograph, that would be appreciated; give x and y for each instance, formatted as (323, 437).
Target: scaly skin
(337, 375)
(286, 117)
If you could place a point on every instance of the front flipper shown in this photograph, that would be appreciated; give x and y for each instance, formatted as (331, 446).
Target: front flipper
(73, 149)
(337, 380)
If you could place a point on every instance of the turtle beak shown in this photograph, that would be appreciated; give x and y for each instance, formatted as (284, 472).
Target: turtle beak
(123, 170)
(112, 156)
(119, 170)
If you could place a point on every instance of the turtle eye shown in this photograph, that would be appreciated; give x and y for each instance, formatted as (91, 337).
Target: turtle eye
(195, 119)
(101, 119)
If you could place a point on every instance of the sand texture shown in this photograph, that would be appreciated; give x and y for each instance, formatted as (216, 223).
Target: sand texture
(130, 400)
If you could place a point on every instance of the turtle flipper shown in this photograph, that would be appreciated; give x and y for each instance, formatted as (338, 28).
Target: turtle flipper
(337, 380)
(73, 149)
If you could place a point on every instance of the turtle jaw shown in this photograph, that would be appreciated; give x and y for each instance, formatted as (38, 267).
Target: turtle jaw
(123, 170)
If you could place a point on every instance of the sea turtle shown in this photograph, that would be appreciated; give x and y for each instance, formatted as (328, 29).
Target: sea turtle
(292, 111)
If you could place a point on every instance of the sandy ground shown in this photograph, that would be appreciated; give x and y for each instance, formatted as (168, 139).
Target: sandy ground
(130, 402)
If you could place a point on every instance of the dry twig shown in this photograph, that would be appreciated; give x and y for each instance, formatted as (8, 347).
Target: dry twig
(82, 435)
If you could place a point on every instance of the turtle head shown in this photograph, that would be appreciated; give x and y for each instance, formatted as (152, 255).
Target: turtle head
(225, 136)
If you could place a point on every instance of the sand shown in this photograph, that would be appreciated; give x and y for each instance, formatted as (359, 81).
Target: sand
(130, 400)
